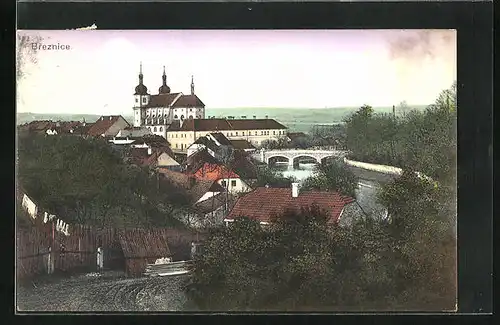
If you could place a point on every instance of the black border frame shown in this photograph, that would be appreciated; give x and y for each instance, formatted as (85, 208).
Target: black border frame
(474, 23)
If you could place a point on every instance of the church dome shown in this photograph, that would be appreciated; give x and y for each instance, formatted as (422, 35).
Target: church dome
(164, 89)
(141, 89)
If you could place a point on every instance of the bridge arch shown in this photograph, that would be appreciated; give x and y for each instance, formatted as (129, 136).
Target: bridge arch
(289, 160)
(294, 159)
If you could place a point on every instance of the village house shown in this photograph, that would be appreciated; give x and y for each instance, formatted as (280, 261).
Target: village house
(129, 135)
(181, 134)
(107, 126)
(211, 142)
(243, 145)
(206, 198)
(263, 204)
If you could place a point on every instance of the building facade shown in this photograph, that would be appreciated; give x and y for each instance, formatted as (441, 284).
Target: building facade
(255, 131)
(157, 112)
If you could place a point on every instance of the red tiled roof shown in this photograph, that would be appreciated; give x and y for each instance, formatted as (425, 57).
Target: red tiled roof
(264, 203)
(224, 125)
(161, 100)
(214, 172)
(103, 124)
(188, 101)
(195, 188)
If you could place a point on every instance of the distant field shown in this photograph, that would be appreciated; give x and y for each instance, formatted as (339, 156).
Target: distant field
(296, 119)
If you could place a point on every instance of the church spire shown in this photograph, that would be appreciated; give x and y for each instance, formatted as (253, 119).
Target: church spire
(192, 85)
(141, 89)
(164, 89)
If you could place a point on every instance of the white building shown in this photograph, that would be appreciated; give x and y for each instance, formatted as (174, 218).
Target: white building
(157, 112)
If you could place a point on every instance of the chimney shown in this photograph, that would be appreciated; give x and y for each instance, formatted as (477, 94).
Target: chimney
(267, 117)
(295, 189)
(254, 117)
(150, 151)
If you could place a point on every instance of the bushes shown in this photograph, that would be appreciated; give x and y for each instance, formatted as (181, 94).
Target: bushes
(87, 182)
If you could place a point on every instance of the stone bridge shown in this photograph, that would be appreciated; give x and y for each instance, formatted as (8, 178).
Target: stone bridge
(292, 154)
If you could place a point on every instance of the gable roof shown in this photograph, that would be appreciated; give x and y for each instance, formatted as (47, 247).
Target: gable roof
(214, 172)
(264, 203)
(211, 204)
(193, 188)
(225, 125)
(103, 124)
(196, 160)
(162, 100)
(221, 138)
(188, 101)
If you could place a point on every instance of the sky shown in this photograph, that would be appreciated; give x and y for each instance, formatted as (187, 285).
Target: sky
(235, 68)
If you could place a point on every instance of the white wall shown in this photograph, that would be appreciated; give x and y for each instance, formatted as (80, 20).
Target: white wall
(239, 187)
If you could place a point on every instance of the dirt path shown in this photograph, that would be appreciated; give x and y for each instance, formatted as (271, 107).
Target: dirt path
(105, 293)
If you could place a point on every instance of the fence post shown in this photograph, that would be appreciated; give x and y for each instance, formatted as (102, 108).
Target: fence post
(50, 261)
(100, 259)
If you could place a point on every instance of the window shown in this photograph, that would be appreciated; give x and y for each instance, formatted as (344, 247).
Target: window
(136, 100)
(154, 129)
(182, 117)
(243, 133)
(144, 100)
(137, 113)
(175, 116)
(161, 128)
(176, 135)
(190, 109)
(274, 132)
(190, 117)
(236, 133)
(176, 146)
(223, 183)
(233, 183)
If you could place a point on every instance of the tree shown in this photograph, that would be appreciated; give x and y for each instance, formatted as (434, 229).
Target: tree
(334, 176)
(269, 177)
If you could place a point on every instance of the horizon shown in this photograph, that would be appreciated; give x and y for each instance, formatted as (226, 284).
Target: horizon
(237, 69)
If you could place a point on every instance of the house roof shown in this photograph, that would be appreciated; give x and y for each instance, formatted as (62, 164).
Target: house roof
(243, 166)
(241, 144)
(214, 172)
(103, 124)
(210, 204)
(221, 138)
(152, 140)
(209, 143)
(144, 243)
(37, 126)
(188, 101)
(265, 203)
(224, 125)
(194, 188)
(196, 160)
(161, 100)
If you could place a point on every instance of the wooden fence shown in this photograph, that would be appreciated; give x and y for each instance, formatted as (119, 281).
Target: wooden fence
(41, 245)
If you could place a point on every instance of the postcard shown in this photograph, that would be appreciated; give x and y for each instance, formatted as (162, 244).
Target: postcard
(236, 170)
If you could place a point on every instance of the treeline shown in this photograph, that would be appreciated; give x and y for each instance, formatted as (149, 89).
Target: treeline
(301, 264)
(425, 141)
(85, 181)
(319, 136)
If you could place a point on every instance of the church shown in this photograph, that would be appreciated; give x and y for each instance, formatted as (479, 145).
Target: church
(158, 112)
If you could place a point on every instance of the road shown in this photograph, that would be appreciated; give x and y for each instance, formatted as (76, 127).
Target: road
(83, 293)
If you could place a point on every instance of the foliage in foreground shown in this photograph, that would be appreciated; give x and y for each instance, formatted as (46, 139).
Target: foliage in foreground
(85, 181)
(333, 175)
(299, 263)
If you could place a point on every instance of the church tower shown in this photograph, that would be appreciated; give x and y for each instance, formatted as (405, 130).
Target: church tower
(164, 89)
(141, 99)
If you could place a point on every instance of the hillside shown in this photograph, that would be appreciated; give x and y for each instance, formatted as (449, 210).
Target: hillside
(297, 119)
